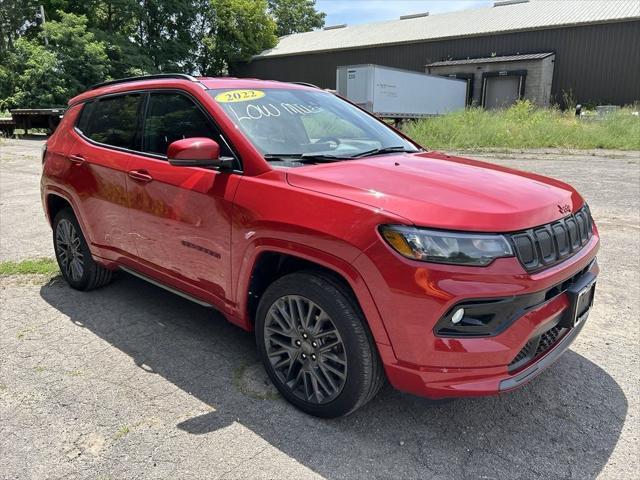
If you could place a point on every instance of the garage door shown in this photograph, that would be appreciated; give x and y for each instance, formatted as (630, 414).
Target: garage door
(501, 92)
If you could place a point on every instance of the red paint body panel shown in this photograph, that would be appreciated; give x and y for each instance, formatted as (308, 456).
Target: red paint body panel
(202, 232)
(433, 190)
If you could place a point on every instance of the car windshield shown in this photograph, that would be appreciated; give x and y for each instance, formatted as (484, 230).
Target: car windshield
(300, 125)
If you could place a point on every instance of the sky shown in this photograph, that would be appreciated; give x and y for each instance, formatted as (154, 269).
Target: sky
(353, 12)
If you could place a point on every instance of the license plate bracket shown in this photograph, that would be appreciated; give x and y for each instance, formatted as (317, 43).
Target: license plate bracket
(581, 295)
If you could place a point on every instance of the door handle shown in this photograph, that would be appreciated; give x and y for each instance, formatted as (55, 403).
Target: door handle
(140, 176)
(77, 159)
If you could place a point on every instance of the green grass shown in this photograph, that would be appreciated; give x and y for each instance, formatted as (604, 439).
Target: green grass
(525, 126)
(122, 432)
(42, 266)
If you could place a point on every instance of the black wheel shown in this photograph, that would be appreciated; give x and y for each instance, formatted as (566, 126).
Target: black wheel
(315, 345)
(72, 253)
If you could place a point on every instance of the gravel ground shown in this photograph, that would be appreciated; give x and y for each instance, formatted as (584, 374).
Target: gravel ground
(132, 382)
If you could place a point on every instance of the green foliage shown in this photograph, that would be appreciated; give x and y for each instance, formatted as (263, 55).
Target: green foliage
(164, 33)
(16, 17)
(83, 60)
(42, 266)
(30, 77)
(88, 41)
(237, 30)
(35, 74)
(525, 126)
(294, 16)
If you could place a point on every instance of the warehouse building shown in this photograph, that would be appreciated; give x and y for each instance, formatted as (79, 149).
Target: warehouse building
(547, 51)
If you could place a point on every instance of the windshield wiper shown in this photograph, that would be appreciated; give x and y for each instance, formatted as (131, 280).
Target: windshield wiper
(380, 151)
(305, 157)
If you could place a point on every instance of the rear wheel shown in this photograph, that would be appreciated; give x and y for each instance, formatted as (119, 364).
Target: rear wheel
(73, 255)
(315, 346)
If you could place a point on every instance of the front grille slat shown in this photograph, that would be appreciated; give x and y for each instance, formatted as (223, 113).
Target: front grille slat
(536, 347)
(547, 339)
(546, 245)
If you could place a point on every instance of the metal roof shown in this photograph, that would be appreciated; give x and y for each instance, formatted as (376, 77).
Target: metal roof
(536, 14)
(505, 58)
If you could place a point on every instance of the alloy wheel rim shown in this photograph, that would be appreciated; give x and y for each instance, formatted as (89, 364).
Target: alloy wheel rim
(305, 349)
(69, 250)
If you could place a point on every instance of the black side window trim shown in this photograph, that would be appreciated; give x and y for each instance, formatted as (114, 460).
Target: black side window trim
(96, 100)
(142, 117)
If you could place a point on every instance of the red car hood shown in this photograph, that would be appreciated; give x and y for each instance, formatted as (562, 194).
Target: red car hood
(434, 190)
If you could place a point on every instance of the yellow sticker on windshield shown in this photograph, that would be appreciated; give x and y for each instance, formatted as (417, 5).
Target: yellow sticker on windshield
(239, 96)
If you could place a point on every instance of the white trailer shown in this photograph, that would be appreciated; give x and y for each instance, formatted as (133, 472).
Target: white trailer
(394, 93)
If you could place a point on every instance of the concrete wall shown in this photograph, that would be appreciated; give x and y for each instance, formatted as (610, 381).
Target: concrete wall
(538, 82)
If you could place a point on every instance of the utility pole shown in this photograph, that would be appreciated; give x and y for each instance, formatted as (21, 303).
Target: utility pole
(46, 41)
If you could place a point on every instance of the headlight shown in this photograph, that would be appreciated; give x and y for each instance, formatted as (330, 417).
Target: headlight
(446, 247)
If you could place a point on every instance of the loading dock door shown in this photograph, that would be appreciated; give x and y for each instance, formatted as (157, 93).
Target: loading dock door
(502, 89)
(501, 92)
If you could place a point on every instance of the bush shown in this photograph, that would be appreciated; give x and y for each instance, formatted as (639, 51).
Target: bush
(525, 126)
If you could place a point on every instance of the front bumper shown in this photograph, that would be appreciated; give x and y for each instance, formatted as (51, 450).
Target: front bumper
(473, 382)
(421, 362)
(541, 363)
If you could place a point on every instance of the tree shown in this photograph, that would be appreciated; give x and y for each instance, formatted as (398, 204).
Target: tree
(39, 75)
(83, 60)
(89, 41)
(164, 33)
(15, 18)
(294, 16)
(31, 77)
(233, 31)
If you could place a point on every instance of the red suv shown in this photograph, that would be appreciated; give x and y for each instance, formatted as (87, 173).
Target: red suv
(354, 254)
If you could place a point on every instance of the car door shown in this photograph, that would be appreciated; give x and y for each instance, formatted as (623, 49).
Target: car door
(108, 128)
(181, 216)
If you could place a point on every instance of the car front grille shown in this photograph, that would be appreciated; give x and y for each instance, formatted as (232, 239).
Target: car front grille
(522, 354)
(549, 244)
(537, 347)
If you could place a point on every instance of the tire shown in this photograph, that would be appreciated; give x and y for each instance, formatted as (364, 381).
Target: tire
(334, 369)
(73, 255)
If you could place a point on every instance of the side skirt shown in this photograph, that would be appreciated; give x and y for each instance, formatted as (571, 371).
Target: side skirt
(166, 287)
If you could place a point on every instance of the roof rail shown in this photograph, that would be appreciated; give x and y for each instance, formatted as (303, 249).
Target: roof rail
(157, 76)
(306, 84)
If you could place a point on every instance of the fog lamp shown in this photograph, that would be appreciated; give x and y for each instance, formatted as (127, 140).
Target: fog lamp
(457, 316)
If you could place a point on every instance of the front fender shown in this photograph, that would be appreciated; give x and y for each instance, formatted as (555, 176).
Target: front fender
(324, 259)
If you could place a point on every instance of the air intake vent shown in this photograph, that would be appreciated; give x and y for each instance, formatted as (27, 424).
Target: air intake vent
(335, 27)
(502, 3)
(414, 15)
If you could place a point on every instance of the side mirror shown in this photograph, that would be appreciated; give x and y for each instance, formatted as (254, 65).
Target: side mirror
(197, 152)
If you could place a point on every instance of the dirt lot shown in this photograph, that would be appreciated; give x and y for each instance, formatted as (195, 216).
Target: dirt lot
(133, 382)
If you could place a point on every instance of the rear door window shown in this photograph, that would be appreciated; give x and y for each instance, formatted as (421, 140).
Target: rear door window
(85, 116)
(171, 117)
(114, 121)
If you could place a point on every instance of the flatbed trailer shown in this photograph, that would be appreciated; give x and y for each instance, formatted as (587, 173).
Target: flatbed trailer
(28, 118)
(7, 127)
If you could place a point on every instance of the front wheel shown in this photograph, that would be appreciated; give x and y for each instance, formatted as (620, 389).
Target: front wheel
(315, 345)
(73, 255)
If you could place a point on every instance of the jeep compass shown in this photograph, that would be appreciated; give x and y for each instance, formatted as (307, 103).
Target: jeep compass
(355, 255)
